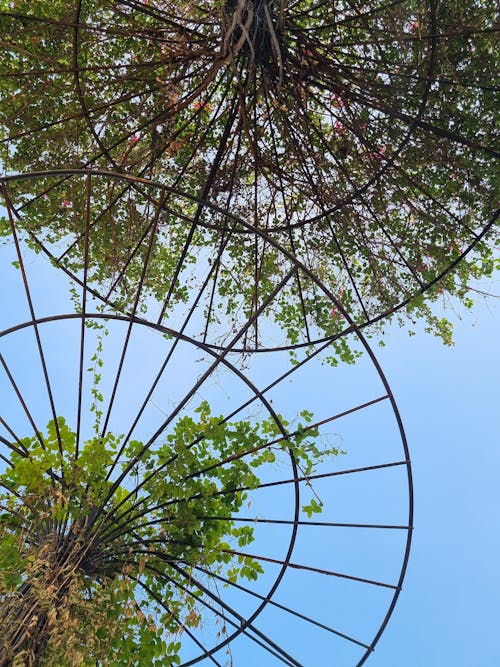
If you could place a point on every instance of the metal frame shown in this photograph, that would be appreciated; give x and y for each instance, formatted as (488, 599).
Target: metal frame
(245, 625)
(330, 222)
(258, 65)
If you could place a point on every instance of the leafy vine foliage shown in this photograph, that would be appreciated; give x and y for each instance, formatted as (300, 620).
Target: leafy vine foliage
(98, 569)
(360, 137)
(244, 136)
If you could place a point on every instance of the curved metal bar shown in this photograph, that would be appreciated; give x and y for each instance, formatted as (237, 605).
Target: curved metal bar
(217, 359)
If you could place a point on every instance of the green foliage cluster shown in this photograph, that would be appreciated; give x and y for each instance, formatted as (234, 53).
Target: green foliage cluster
(94, 568)
(353, 137)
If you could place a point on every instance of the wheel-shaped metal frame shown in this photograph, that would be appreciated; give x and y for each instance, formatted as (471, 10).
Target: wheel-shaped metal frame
(45, 354)
(378, 207)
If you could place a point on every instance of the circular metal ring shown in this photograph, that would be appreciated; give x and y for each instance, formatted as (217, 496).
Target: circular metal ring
(44, 357)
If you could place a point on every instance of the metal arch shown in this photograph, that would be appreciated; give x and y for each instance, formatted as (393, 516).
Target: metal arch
(259, 395)
(412, 283)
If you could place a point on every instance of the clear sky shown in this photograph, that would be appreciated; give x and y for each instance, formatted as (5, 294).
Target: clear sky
(449, 399)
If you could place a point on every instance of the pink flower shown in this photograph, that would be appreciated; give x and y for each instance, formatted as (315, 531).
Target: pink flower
(201, 104)
(337, 101)
(378, 155)
(67, 204)
(414, 26)
(133, 139)
(335, 311)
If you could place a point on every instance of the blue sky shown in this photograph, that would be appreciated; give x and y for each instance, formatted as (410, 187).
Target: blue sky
(449, 400)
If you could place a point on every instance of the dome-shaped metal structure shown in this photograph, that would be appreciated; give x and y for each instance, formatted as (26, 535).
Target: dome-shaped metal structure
(169, 433)
(234, 177)
(360, 137)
